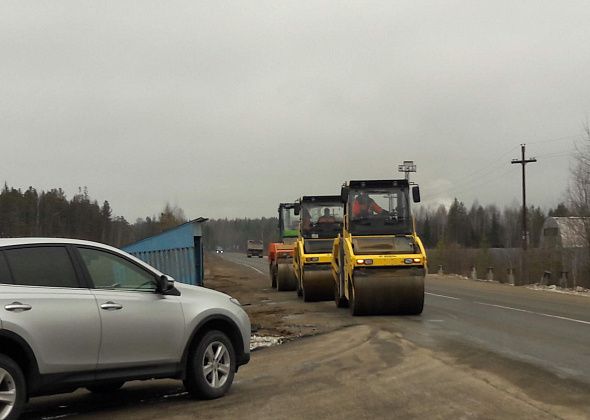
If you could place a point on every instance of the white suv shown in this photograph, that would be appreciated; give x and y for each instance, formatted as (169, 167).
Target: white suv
(82, 314)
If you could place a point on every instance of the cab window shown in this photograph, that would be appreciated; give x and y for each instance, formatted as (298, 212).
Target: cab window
(108, 271)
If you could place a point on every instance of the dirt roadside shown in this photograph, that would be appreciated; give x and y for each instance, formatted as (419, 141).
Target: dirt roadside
(272, 313)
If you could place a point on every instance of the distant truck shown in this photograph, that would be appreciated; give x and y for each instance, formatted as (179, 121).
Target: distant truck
(254, 248)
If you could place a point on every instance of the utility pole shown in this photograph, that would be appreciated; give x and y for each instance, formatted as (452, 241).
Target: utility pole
(523, 162)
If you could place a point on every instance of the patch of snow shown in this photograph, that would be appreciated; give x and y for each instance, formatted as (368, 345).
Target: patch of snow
(579, 291)
(178, 394)
(261, 341)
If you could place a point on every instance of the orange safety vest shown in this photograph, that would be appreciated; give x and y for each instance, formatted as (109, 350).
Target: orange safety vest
(360, 209)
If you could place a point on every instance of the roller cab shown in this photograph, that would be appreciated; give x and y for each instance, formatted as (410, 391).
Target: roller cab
(321, 220)
(379, 262)
(280, 254)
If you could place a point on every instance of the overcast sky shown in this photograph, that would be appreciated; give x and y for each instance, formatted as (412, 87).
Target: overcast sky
(227, 108)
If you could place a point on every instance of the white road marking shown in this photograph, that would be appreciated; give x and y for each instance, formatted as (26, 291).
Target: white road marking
(443, 296)
(247, 265)
(254, 268)
(534, 313)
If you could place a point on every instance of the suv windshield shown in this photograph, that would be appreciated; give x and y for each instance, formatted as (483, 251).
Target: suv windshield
(321, 220)
(379, 211)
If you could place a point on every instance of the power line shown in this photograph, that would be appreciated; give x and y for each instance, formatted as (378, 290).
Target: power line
(493, 162)
(557, 139)
(459, 190)
(477, 174)
(556, 154)
(474, 179)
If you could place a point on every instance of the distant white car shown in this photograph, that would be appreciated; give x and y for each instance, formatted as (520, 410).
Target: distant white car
(82, 314)
(219, 250)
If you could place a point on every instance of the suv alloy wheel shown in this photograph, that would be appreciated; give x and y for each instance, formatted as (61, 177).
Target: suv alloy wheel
(12, 389)
(212, 365)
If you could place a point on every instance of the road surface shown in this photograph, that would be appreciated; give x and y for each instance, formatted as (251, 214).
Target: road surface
(545, 328)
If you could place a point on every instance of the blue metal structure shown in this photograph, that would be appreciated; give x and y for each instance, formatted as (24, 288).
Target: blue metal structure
(177, 252)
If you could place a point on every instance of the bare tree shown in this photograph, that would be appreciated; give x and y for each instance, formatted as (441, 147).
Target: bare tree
(171, 216)
(579, 189)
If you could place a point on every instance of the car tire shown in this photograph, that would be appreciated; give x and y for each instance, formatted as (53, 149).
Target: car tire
(105, 388)
(211, 366)
(12, 385)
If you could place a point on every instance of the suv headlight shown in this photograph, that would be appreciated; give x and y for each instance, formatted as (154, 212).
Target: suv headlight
(235, 301)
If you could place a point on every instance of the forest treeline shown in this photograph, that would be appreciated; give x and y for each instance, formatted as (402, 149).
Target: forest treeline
(481, 226)
(474, 227)
(233, 234)
(52, 214)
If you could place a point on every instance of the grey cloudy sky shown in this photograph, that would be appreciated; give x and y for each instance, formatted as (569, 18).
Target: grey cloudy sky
(226, 108)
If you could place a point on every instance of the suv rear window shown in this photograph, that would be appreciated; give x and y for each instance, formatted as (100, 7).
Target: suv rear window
(48, 266)
(4, 272)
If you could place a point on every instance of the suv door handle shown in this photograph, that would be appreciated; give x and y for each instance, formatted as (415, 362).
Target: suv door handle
(111, 306)
(17, 306)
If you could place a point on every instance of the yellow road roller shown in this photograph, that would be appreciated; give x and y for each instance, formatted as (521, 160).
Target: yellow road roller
(321, 219)
(379, 263)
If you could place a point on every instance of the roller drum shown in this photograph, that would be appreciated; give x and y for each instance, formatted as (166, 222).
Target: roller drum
(318, 285)
(286, 280)
(388, 292)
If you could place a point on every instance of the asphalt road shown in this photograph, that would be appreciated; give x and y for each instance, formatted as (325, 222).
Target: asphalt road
(479, 350)
(259, 265)
(547, 329)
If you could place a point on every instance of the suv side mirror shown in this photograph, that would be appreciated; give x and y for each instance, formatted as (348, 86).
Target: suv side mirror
(297, 209)
(165, 283)
(416, 194)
